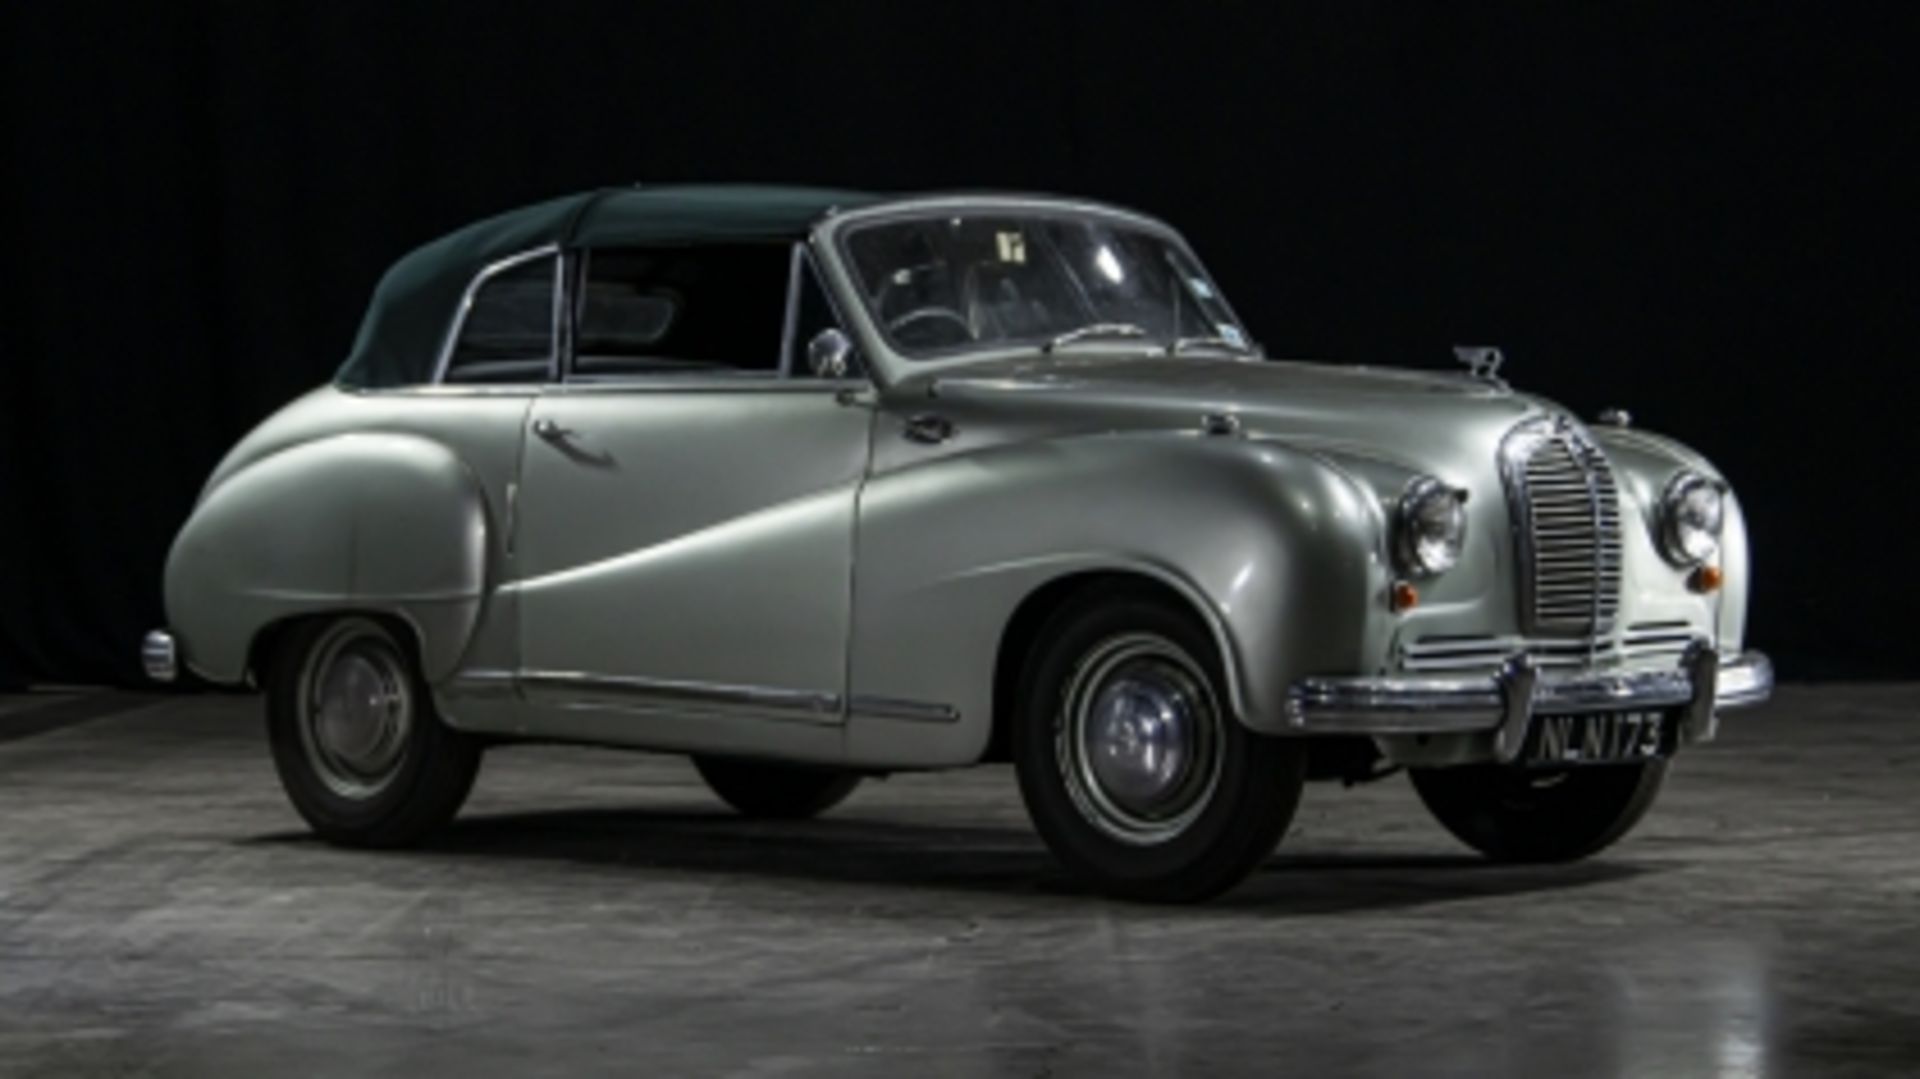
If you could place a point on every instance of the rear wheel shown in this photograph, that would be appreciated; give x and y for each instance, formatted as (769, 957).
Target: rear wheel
(1131, 764)
(1519, 815)
(362, 754)
(775, 791)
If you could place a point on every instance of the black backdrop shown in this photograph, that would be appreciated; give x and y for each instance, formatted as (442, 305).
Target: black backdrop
(1679, 208)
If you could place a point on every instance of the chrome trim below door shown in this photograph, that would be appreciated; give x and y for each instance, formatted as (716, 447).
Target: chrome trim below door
(483, 684)
(578, 689)
(866, 707)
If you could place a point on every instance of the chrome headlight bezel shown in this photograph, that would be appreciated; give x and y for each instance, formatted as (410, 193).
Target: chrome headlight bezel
(1693, 510)
(1429, 527)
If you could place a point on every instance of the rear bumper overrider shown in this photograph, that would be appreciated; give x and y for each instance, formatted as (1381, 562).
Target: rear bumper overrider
(160, 656)
(1700, 686)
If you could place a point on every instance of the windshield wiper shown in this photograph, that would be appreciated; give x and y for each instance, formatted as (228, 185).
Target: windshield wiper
(1095, 329)
(1206, 341)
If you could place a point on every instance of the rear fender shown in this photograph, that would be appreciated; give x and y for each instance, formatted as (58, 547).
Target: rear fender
(391, 523)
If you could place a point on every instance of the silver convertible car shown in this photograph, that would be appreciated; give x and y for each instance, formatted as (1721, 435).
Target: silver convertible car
(816, 485)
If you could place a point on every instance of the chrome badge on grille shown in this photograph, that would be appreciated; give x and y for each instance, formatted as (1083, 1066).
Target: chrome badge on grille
(1566, 522)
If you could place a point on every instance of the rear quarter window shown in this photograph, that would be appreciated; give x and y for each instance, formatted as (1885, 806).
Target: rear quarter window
(508, 332)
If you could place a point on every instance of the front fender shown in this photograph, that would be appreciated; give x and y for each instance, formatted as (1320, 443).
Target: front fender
(1645, 462)
(384, 522)
(1277, 551)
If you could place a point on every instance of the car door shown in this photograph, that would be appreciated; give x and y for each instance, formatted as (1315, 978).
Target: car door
(686, 511)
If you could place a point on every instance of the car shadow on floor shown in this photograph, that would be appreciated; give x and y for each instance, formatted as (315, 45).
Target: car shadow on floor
(926, 856)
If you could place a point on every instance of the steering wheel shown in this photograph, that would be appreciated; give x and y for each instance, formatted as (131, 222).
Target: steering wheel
(932, 317)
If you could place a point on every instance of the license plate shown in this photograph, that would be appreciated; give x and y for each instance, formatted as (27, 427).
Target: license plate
(1598, 738)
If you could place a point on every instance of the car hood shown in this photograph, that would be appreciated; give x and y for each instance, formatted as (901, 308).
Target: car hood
(1441, 423)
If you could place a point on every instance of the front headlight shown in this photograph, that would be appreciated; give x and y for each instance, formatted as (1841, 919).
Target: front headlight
(1691, 511)
(1430, 527)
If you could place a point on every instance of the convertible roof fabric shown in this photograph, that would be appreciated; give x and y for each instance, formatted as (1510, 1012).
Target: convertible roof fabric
(400, 338)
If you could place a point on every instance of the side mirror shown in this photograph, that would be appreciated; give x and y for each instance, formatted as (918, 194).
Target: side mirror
(830, 354)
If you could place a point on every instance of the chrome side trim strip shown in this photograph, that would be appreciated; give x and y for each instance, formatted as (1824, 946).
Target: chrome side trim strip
(666, 692)
(452, 389)
(869, 707)
(745, 382)
(483, 683)
(581, 688)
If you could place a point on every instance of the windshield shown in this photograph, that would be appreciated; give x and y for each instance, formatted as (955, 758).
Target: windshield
(937, 285)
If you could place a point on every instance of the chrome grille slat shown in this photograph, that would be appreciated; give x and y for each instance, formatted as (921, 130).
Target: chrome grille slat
(1566, 509)
(1646, 642)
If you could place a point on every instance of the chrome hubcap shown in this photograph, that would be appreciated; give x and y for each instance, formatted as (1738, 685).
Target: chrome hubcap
(356, 708)
(1139, 739)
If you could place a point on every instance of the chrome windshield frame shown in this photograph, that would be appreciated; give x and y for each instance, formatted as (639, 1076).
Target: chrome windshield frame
(831, 235)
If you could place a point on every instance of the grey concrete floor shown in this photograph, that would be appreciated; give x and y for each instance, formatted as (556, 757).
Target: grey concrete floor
(162, 913)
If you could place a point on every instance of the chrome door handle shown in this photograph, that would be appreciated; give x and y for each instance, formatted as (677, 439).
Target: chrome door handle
(566, 443)
(928, 428)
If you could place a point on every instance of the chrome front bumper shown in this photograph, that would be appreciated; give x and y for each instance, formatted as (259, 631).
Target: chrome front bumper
(1703, 683)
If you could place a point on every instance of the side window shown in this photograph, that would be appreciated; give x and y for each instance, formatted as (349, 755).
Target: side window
(709, 309)
(508, 332)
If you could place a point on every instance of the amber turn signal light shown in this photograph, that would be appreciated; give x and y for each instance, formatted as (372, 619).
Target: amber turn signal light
(1403, 596)
(1707, 579)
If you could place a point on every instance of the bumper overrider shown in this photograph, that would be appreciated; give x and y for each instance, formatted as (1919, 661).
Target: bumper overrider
(160, 656)
(1503, 704)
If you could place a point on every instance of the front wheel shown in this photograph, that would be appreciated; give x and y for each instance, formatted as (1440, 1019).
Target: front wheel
(363, 756)
(1130, 761)
(1517, 815)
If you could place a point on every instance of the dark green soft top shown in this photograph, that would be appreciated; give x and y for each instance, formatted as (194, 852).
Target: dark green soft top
(413, 305)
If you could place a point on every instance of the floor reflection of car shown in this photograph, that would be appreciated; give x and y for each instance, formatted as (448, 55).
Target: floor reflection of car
(816, 485)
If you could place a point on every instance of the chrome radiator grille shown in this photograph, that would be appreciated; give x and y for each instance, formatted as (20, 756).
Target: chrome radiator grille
(1567, 523)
